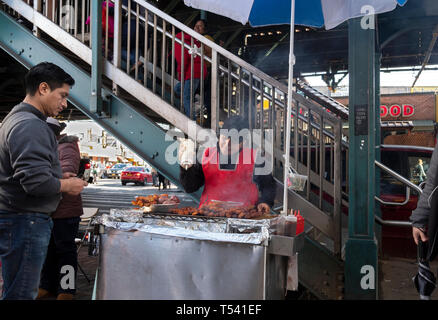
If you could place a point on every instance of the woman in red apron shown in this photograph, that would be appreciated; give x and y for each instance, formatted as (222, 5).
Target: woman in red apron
(227, 173)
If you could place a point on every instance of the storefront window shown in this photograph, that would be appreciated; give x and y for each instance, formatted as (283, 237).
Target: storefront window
(388, 184)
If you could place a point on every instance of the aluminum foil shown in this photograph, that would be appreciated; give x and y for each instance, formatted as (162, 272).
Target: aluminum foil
(225, 230)
(126, 215)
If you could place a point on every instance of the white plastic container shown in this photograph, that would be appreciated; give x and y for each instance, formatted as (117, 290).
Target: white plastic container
(186, 153)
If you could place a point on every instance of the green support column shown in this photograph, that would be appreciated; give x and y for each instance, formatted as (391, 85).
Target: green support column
(378, 228)
(96, 66)
(361, 247)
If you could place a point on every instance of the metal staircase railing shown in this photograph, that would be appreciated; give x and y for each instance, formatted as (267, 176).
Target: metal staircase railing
(235, 86)
(334, 106)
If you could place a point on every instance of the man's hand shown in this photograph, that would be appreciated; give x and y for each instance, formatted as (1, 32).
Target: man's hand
(418, 233)
(263, 207)
(73, 186)
(67, 175)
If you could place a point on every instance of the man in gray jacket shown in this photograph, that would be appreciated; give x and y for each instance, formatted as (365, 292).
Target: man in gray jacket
(420, 216)
(31, 180)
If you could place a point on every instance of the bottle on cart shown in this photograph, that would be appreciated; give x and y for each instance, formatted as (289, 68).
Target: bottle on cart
(300, 222)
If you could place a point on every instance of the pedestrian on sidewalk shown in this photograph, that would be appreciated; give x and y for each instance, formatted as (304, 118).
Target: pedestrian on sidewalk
(31, 180)
(62, 259)
(161, 180)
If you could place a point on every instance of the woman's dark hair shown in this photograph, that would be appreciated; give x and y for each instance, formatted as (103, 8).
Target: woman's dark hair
(235, 122)
(47, 72)
(205, 23)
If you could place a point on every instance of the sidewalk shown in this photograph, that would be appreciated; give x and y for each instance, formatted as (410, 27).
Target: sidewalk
(395, 278)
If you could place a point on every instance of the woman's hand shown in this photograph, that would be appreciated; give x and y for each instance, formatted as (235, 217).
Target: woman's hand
(263, 207)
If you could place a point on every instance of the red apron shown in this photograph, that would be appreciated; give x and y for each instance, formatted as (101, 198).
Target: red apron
(228, 185)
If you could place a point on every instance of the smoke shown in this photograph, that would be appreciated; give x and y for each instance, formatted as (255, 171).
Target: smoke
(261, 151)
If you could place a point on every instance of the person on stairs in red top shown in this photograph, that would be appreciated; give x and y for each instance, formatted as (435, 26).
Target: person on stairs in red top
(184, 64)
(228, 172)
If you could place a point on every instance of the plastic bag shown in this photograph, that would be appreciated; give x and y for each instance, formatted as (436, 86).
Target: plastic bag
(296, 181)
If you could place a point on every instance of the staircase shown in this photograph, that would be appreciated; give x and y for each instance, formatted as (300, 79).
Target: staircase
(139, 100)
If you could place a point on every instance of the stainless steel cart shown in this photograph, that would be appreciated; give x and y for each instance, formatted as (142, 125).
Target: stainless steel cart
(167, 256)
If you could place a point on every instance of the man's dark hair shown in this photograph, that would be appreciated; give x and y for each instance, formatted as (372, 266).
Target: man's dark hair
(47, 72)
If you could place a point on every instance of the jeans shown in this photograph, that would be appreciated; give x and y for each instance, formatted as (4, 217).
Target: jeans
(62, 251)
(24, 238)
(187, 96)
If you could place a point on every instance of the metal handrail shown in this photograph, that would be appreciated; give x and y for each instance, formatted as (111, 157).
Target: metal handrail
(408, 184)
(408, 195)
(258, 73)
(247, 67)
(399, 177)
(394, 223)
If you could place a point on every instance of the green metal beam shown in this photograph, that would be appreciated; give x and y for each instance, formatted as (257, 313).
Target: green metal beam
(96, 66)
(361, 248)
(378, 142)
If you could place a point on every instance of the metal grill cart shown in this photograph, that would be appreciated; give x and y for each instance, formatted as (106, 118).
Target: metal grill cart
(168, 256)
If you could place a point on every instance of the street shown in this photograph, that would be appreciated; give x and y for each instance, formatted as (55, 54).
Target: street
(110, 193)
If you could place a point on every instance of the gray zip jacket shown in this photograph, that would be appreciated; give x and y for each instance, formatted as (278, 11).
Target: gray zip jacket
(29, 163)
(420, 216)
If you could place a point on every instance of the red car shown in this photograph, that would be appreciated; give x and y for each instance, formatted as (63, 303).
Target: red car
(138, 175)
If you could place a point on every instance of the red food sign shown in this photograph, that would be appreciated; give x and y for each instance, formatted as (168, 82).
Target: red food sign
(396, 110)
